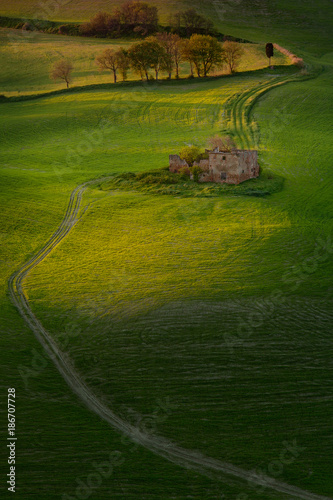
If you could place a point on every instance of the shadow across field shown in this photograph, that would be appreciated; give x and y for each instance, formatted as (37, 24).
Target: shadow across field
(191, 355)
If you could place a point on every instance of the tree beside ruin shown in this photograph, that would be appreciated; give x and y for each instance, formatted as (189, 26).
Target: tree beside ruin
(189, 154)
(224, 143)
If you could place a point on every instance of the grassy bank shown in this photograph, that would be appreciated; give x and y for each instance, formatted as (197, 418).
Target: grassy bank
(161, 181)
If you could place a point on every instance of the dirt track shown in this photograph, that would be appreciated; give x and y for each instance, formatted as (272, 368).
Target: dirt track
(160, 446)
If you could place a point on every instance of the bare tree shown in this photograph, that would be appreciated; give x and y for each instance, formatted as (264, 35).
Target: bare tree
(62, 70)
(187, 53)
(123, 62)
(168, 41)
(108, 60)
(172, 44)
(225, 143)
(178, 53)
(232, 54)
(113, 60)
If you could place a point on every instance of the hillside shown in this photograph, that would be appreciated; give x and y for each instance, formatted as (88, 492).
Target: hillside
(195, 333)
(305, 24)
(27, 72)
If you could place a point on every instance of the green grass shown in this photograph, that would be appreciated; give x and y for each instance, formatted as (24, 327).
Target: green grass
(28, 60)
(152, 269)
(160, 181)
(27, 71)
(158, 287)
(69, 11)
(305, 25)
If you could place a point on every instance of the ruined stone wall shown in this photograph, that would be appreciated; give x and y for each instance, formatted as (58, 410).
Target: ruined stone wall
(176, 163)
(205, 176)
(223, 167)
(232, 167)
(248, 165)
(203, 164)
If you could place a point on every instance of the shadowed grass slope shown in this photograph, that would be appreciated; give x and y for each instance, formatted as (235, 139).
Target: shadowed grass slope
(143, 258)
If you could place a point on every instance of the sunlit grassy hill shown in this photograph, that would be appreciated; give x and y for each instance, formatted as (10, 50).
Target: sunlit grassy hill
(147, 275)
(207, 321)
(27, 71)
(76, 11)
(306, 25)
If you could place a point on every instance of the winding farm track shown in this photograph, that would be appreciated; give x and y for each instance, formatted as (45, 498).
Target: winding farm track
(238, 109)
(186, 458)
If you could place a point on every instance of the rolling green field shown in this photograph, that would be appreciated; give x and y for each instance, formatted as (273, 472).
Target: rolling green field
(203, 321)
(67, 10)
(303, 25)
(27, 71)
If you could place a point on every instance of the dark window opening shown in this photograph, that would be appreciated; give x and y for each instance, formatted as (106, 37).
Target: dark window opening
(223, 157)
(223, 175)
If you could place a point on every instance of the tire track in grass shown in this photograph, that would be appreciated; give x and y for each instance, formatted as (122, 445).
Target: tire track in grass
(158, 445)
(238, 110)
(238, 113)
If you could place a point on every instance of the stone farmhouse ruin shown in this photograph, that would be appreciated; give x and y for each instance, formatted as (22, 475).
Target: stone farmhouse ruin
(230, 167)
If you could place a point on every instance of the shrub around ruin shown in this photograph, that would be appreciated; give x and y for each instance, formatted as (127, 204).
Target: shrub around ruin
(224, 143)
(196, 172)
(157, 177)
(184, 174)
(189, 154)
